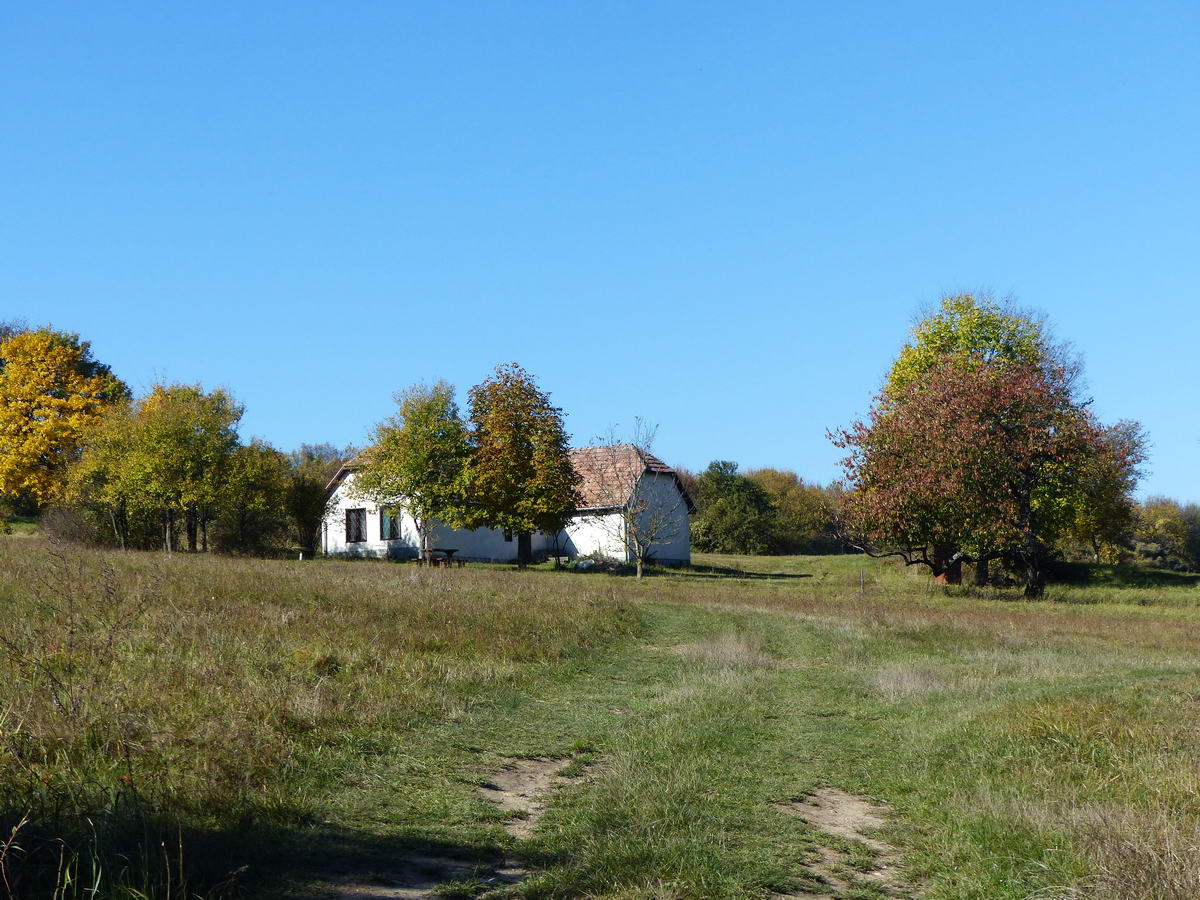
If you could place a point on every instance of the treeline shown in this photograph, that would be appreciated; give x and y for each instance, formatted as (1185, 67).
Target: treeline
(164, 470)
(980, 449)
(762, 511)
(168, 469)
(1166, 535)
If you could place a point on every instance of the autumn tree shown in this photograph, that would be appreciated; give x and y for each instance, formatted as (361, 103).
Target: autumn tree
(10, 329)
(418, 459)
(520, 478)
(977, 330)
(979, 457)
(306, 493)
(51, 391)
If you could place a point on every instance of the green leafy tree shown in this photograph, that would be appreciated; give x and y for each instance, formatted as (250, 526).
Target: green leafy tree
(172, 453)
(804, 513)
(976, 330)
(734, 513)
(103, 477)
(520, 477)
(52, 391)
(189, 438)
(418, 459)
(1168, 534)
(1106, 512)
(250, 509)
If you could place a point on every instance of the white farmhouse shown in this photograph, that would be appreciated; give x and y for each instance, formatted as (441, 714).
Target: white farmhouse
(626, 494)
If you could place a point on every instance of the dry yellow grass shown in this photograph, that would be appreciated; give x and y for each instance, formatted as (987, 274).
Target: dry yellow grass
(140, 691)
(139, 688)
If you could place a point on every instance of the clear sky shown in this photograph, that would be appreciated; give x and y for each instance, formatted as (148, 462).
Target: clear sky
(721, 217)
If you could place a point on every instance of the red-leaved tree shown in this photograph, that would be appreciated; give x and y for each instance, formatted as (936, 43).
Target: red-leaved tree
(971, 462)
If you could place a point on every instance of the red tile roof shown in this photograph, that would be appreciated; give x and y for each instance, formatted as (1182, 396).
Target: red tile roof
(608, 474)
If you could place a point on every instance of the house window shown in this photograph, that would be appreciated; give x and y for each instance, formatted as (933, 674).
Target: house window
(389, 524)
(508, 537)
(356, 526)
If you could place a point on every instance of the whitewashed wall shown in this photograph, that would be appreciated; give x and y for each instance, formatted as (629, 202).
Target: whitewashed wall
(668, 503)
(599, 535)
(333, 538)
(604, 534)
(477, 544)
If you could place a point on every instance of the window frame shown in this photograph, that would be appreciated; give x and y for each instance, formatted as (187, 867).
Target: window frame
(389, 515)
(360, 515)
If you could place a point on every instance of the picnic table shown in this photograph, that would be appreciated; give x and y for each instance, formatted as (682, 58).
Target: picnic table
(444, 562)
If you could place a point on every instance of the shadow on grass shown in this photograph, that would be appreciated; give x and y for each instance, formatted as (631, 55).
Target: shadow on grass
(166, 862)
(708, 572)
(334, 862)
(1093, 574)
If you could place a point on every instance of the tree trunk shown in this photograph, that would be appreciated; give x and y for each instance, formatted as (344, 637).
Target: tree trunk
(945, 571)
(112, 514)
(981, 572)
(1034, 583)
(204, 534)
(640, 564)
(168, 528)
(190, 527)
(524, 549)
(423, 534)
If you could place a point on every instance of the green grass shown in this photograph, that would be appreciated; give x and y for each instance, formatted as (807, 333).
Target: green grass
(335, 718)
(20, 526)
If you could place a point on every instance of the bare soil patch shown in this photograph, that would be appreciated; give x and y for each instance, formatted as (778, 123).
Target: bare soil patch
(418, 878)
(519, 788)
(848, 816)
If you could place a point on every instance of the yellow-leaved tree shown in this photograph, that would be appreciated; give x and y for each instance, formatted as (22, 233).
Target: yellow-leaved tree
(51, 391)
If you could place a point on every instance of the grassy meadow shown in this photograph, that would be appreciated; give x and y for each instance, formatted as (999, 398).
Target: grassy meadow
(211, 727)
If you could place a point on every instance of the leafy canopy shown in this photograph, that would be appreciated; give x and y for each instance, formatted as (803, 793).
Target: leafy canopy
(520, 475)
(418, 457)
(804, 513)
(173, 450)
(975, 331)
(735, 513)
(985, 458)
(51, 392)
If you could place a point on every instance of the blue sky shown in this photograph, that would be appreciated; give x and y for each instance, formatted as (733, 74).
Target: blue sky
(719, 217)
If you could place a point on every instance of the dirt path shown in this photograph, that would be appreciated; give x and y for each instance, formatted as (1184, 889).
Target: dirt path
(848, 816)
(520, 788)
(418, 878)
